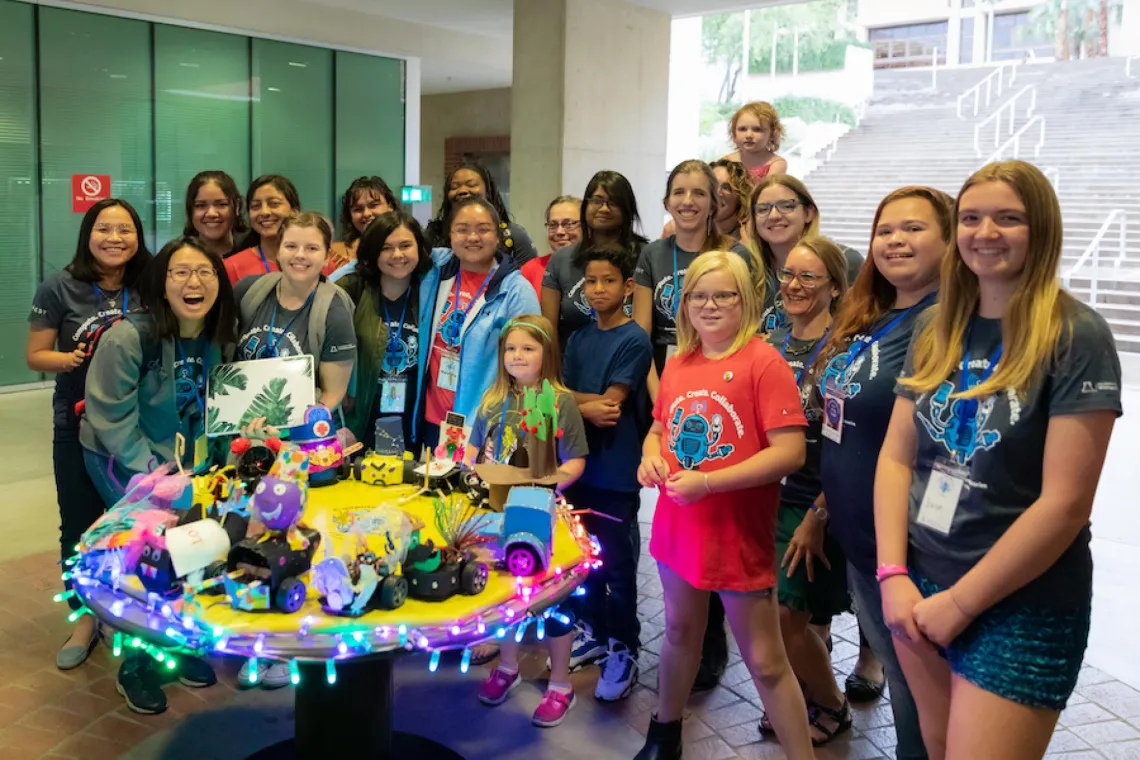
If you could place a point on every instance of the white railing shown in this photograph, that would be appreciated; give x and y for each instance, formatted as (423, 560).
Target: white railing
(1128, 65)
(1053, 174)
(1093, 252)
(993, 85)
(1008, 107)
(1014, 142)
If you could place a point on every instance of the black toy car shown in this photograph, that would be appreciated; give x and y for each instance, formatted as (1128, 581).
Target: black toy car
(265, 574)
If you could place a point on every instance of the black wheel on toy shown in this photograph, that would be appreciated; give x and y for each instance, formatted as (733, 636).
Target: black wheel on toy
(344, 470)
(290, 595)
(473, 578)
(393, 592)
(358, 469)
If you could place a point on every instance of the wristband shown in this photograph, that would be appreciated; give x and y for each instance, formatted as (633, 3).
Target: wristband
(890, 571)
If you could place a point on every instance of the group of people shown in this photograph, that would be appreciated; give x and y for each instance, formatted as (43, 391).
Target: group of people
(920, 433)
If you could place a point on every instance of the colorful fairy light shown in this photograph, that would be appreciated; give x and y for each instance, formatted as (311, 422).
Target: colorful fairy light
(433, 665)
(252, 670)
(294, 673)
(465, 663)
(330, 671)
(117, 648)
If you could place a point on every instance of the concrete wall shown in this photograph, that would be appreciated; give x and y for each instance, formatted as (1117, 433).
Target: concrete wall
(478, 113)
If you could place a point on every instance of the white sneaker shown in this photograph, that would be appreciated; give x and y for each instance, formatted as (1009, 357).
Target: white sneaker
(243, 681)
(619, 673)
(270, 675)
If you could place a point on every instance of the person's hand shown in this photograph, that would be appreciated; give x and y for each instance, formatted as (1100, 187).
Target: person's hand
(686, 487)
(652, 471)
(900, 597)
(806, 545)
(601, 413)
(70, 360)
(258, 429)
(940, 618)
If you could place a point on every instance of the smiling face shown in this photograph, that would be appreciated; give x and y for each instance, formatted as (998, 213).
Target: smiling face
(399, 254)
(190, 294)
(213, 218)
(522, 357)
(114, 239)
(474, 238)
(277, 503)
(781, 226)
(690, 201)
(366, 206)
(600, 214)
(563, 226)
(465, 183)
(302, 254)
(993, 231)
(606, 289)
(807, 302)
(715, 323)
(908, 245)
(267, 209)
(750, 135)
(728, 202)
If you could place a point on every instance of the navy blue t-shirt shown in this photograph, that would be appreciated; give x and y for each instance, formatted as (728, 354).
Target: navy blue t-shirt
(847, 468)
(190, 380)
(802, 487)
(596, 359)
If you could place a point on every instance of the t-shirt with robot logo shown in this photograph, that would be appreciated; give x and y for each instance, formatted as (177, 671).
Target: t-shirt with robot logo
(717, 413)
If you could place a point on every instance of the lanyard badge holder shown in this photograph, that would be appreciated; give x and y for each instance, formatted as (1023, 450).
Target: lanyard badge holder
(273, 340)
(201, 442)
(393, 386)
(673, 293)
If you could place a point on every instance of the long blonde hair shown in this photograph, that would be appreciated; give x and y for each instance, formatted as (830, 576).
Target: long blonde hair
(688, 341)
(1036, 315)
(539, 328)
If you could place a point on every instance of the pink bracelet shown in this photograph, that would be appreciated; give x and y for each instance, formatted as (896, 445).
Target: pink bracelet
(890, 571)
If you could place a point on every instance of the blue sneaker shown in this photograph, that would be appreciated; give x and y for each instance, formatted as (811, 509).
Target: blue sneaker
(585, 650)
(619, 673)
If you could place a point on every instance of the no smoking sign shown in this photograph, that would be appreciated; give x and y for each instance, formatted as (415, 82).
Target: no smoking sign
(87, 190)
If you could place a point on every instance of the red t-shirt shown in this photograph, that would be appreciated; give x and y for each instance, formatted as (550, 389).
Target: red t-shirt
(439, 401)
(533, 271)
(716, 413)
(247, 263)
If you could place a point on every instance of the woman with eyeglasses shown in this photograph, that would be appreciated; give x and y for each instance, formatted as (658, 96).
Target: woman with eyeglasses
(609, 216)
(783, 213)
(145, 389)
(563, 229)
(69, 309)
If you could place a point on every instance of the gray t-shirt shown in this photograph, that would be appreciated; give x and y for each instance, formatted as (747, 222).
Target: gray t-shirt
(276, 331)
(563, 275)
(656, 271)
(75, 310)
(999, 442)
(511, 448)
(773, 318)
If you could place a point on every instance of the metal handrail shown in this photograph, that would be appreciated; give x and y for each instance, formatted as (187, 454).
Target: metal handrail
(1010, 106)
(1119, 216)
(1015, 141)
(1128, 65)
(1053, 174)
(988, 84)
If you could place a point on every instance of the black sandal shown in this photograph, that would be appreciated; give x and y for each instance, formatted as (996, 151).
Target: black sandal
(841, 718)
(860, 690)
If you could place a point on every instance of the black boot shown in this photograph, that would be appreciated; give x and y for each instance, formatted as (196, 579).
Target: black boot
(714, 650)
(662, 742)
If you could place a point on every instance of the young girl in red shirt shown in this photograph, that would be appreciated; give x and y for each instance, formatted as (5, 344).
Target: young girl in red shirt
(728, 426)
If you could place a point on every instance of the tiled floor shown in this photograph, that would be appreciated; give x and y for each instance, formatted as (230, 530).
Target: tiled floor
(78, 715)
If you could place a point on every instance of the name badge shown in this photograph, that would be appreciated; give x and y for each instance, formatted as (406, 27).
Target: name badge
(394, 394)
(832, 417)
(449, 371)
(940, 501)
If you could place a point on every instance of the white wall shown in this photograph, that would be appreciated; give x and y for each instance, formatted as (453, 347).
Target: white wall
(852, 85)
(686, 73)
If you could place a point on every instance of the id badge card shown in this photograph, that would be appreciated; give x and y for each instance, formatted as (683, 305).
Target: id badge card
(394, 394)
(449, 371)
(943, 491)
(833, 417)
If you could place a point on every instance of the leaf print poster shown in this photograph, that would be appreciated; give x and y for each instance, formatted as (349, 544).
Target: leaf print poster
(278, 389)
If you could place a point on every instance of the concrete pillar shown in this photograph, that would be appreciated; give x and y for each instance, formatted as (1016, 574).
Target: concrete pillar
(590, 92)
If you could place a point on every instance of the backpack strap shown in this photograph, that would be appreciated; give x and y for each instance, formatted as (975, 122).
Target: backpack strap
(261, 289)
(318, 317)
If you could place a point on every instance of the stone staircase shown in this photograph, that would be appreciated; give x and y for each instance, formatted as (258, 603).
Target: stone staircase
(911, 135)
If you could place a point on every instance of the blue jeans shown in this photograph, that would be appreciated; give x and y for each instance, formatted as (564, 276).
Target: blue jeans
(101, 476)
(869, 604)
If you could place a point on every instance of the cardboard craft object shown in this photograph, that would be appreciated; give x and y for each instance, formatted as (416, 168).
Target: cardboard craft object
(502, 477)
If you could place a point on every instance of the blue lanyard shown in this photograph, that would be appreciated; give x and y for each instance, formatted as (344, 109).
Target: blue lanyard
(461, 314)
(676, 285)
(197, 388)
(811, 359)
(272, 340)
(394, 337)
(863, 344)
(264, 261)
(126, 297)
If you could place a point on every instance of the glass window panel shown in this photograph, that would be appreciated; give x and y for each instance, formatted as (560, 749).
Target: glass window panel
(201, 82)
(96, 113)
(369, 119)
(19, 212)
(293, 118)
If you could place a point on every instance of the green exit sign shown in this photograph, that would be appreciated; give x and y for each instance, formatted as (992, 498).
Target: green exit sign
(415, 194)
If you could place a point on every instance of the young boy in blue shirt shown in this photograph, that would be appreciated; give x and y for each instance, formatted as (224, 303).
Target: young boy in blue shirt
(605, 366)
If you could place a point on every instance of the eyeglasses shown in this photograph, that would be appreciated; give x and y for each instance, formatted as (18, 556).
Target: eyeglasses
(106, 229)
(722, 298)
(808, 281)
(181, 274)
(784, 207)
(597, 202)
(569, 225)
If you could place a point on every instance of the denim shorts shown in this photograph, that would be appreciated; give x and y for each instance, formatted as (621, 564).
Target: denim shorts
(1028, 655)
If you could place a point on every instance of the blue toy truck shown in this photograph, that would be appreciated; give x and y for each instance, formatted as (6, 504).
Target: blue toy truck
(522, 536)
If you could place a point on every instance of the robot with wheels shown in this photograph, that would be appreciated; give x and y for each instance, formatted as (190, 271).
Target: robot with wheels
(521, 537)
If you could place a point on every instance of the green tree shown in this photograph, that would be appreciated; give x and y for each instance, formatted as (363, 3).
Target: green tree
(1075, 26)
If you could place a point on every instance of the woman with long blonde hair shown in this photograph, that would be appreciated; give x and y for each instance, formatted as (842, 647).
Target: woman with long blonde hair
(987, 476)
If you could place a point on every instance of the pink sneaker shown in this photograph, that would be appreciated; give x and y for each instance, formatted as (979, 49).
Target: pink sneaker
(553, 708)
(498, 687)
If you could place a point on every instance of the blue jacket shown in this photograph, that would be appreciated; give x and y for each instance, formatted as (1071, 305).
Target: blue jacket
(508, 295)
